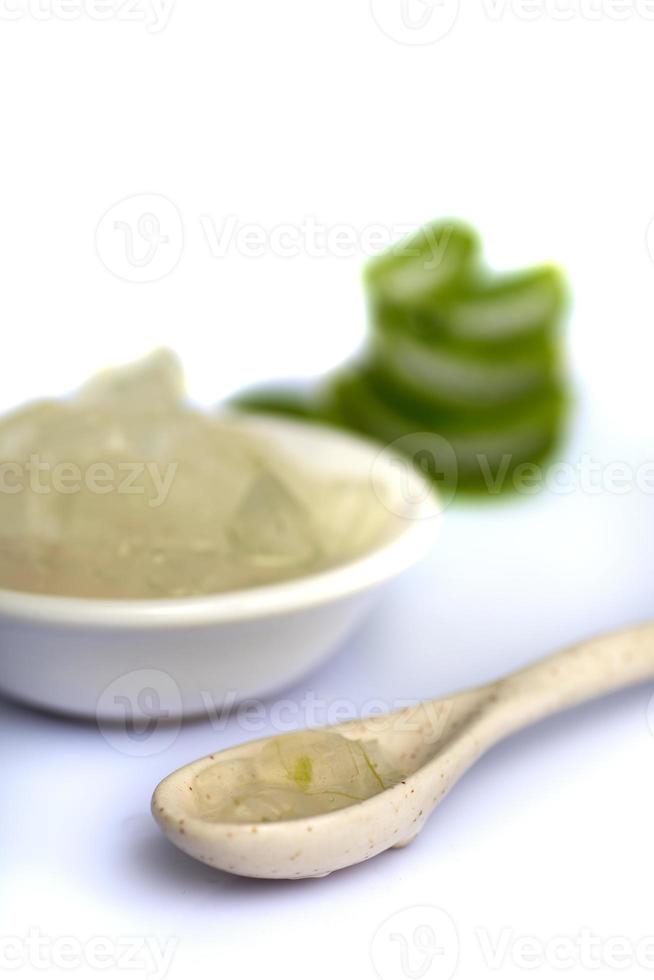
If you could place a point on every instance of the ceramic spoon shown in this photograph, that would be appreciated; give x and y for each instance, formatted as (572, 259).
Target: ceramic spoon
(434, 742)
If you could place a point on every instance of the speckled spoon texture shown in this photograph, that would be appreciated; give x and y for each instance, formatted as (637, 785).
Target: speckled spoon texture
(433, 743)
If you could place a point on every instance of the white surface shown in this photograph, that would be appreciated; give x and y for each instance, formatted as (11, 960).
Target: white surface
(539, 132)
(547, 837)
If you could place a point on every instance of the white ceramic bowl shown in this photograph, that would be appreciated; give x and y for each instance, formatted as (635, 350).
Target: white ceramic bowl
(173, 658)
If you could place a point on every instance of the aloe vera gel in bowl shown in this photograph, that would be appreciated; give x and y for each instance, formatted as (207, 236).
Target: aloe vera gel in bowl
(92, 656)
(125, 490)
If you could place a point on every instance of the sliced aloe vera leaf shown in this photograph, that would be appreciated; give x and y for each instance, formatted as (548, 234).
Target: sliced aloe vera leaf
(507, 307)
(457, 421)
(423, 265)
(524, 436)
(362, 381)
(277, 400)
(452, 378)
(490, 317)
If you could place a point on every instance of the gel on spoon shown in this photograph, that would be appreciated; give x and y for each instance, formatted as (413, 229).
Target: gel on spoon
(309, 803)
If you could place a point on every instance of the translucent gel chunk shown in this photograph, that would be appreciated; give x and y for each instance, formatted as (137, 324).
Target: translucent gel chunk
(168, 502)
(293, 776)
(272, 526)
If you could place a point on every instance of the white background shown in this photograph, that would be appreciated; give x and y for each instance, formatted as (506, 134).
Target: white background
(533, 122)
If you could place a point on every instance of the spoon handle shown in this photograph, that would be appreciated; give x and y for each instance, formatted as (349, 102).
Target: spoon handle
(579, 673)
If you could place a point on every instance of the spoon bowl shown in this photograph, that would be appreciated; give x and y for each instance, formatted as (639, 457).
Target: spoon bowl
(432, 743)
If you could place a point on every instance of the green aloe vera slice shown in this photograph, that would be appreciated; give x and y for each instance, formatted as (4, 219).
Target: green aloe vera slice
(455, 350)
(507, 440)
(278, 400)
(456, 420)
(507, 307)
(424, 265)
(449, 378)
(488, 317)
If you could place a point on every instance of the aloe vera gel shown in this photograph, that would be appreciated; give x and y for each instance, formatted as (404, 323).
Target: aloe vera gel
(125, 490)
(298, 775)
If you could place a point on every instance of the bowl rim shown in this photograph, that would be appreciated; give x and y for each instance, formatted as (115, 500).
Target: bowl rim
(381, 563)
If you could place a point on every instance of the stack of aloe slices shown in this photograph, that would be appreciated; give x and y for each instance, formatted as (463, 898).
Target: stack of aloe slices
(454, 349)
